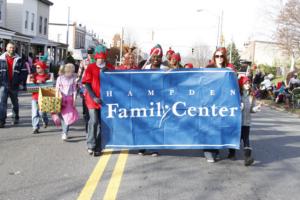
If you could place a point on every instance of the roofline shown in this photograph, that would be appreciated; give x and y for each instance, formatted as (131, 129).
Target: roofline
(47, 2)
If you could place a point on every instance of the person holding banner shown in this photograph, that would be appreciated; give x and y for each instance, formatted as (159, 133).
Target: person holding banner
(169, 54)
(155, 59)
(219, 60)
(129, 62)
(91, 80)
(175, 61)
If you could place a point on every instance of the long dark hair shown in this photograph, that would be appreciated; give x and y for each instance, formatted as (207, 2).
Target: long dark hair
(224, 53)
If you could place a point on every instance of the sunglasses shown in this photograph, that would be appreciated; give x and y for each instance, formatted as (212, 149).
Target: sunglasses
(219, 56)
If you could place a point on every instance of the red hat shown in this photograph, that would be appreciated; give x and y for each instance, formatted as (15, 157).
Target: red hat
(189, 65)
(243, 80)
(176, 56)
(157, 50)
(41, 64)
(100, 55)
(170, 51)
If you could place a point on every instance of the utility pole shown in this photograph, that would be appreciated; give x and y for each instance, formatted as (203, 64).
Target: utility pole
(220, 31)
(121, 45)
(68, 26)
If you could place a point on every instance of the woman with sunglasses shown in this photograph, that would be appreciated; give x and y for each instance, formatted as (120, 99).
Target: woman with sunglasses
(219, 60)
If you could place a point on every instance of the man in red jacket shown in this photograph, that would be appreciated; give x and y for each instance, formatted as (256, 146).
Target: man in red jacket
(91, 80)
(10, 78)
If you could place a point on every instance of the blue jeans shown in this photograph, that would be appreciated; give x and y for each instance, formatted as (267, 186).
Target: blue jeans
(94, 133)
(36, 114)
(13, 95)
(64, 126)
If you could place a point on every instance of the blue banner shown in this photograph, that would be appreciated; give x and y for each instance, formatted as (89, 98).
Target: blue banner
(178, 109)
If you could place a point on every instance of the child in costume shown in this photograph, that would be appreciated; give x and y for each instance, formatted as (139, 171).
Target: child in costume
(66, 88)
(40, 76)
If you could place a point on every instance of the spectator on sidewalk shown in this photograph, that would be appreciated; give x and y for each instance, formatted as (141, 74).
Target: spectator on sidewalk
(294, 82)
(10, 79)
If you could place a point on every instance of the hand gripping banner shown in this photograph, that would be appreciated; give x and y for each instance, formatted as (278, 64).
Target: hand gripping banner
(178, 109)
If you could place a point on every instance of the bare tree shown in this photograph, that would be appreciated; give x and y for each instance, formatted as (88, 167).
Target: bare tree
(288, 30)
(201, 54)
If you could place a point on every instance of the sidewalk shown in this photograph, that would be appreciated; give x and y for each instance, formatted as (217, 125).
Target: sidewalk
(280, 107)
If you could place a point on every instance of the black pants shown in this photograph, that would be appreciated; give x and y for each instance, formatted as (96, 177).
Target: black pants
(245, 136)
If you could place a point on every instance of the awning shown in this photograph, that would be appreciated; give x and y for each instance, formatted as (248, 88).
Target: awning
(5, 34)
(39, 41)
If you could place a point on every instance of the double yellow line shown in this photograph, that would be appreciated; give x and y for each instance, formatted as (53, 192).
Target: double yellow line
(115, 180)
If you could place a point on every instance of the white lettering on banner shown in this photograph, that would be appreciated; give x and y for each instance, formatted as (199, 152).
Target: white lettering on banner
(191, 92)
(232, 92)
(171, 92)
(150, 92)
(109, 93)
(179, 109)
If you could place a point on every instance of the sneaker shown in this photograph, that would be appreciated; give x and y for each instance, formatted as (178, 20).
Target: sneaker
(64, 136)
(35, 131)
(210, 156)
(210, 160)
(2, 125)
(90, 151)
(97, 153)
(154, 154)
(142, 152)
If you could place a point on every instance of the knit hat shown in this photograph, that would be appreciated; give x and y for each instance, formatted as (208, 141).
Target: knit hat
(157, 50)
(189, 65)
(100, 55)
(170, 51)
(41, 64)
(176, 56)
(243, 80)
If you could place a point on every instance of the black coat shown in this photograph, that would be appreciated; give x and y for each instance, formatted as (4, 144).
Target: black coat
(17, 72)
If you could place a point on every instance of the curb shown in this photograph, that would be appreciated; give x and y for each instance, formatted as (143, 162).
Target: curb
(279, 109)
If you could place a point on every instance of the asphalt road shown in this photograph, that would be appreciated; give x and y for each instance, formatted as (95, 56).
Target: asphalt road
(43, 167)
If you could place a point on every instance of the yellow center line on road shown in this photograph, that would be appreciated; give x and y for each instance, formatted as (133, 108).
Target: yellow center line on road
(90, 186)
(115, 180)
